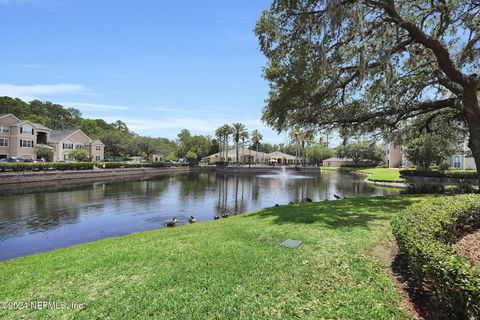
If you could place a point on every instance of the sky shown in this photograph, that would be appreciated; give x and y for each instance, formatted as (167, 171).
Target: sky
(158, 65)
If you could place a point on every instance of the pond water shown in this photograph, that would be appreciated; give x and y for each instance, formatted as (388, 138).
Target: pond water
(46, 220)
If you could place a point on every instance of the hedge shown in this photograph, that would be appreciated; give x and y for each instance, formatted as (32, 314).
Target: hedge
(62, 166)
(425, 234)
(43, 166)
(458, 174)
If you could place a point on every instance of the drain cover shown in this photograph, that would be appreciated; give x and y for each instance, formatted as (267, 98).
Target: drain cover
(290, 243)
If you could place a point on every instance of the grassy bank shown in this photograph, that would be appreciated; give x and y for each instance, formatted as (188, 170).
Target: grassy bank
(228, 269)
(375, 174)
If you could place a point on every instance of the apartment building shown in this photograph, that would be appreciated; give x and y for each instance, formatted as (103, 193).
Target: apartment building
(18, 138)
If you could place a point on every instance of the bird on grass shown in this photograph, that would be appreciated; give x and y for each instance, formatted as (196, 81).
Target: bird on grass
(216, 217)
(291, 202)
(225, 215)
(308, 200)
(172, 223)
(192, 219)
(337, 196)
(276, 205)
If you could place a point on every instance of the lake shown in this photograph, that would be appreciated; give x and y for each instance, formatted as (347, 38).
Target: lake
(51, 219)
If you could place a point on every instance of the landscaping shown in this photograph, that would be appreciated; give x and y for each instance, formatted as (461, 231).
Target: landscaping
(426, 234)
(375, 174)
(62, 166)
(229, 268)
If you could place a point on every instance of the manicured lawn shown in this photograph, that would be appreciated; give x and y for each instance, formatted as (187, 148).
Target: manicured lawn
(375, 174)
(227, 269)
(383, 174)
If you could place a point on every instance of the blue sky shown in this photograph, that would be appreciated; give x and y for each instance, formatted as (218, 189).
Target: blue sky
(160, 66)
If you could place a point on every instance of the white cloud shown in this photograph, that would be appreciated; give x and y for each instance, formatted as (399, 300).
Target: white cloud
(39, 91)
(92, 106)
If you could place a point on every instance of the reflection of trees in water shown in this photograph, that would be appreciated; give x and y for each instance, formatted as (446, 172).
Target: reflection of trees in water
(239, 189)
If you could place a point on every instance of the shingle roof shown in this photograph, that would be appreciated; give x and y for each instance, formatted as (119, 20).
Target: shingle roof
(59, 135)
(40, 126)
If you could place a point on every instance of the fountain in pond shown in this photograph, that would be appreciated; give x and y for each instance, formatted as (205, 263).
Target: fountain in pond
(283, 174)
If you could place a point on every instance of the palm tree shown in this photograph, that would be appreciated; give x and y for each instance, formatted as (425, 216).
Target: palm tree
(222, 133)
(243, 137)
(307, 137)
(256, 138)
(237, 131)
(295, 137)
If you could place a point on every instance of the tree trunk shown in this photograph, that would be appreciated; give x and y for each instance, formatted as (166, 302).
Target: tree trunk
(472, 114)
(236, 147)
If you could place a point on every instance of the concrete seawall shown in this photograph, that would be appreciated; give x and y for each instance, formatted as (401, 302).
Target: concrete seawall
(39, 179)
(93, 175)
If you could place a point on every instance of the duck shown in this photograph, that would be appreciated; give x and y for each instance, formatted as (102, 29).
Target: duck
(308, 200)
(172, 223)
(337, 196)
(291, 202)
(216, 217)
(192, 219)
(276, 205)
(225, 215)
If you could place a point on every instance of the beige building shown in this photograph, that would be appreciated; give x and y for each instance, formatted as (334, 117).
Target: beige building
(18, 138)
(395, 157)
(253, 157)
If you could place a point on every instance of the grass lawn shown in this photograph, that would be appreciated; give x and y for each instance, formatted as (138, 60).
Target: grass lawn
(227, 269)
(375, 174)
(383, 174)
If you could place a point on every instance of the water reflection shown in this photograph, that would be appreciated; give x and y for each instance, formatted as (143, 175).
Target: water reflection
(33, 222)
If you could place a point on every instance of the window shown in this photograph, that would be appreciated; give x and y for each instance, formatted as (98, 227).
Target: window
(26, 143)
(98, 148)
(79, 146)
(97, 158)
(456, 162)
(68, 146)
(26, 130)
(4, 129)
(3, 142)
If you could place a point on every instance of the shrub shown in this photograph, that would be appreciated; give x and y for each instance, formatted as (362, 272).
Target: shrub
(425, 234)
(43, 166)
(444, 166)
(458, 174)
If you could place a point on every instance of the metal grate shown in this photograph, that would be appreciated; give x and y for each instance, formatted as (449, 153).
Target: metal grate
(290, 243)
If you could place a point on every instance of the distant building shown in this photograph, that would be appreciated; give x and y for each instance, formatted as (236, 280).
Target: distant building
(338, 162)
(252, 157)
(18, 138)
(395, 157)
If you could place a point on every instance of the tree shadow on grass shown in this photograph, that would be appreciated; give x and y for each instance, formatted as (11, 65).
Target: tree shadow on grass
(359, 212)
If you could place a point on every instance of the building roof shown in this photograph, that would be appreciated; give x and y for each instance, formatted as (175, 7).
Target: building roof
(278, 154)
(40, 126)
(338, 159)
(59, 135)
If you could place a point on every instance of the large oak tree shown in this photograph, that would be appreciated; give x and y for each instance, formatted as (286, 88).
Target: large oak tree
(372, 64)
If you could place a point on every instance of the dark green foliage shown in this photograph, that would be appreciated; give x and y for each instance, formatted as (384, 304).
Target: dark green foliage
(456, 174)
(44, 166)
(425, 233)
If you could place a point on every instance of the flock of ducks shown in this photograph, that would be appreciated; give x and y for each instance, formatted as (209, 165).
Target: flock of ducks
(192, 219)
(173, 222)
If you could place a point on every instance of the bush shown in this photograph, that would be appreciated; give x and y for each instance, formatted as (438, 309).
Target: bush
(444, 166)
(425, 234)
(456, 174)
(44, 166)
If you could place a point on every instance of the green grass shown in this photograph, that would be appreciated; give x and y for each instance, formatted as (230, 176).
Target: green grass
(383, 174)
(227, 269)
(375, 174)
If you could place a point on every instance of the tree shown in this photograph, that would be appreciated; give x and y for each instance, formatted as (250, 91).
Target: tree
(360, 151)
(222, 134)
(44, 152)
(79, 155)
(238, 130)
(194, 148)
(146, 145)
(372, 64)
(428, 149)
(319, 152)
(114, 143)
(256, 138)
